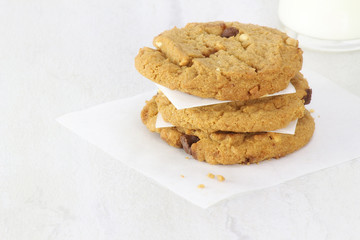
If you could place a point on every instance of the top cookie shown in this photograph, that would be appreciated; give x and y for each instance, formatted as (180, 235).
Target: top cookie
(226, 61)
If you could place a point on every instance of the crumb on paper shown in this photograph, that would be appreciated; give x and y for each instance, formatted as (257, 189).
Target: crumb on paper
(312, 110)
(187, 158)
(182, 176)
(210, 175)
(201, 186)
(318, 116)
(220, 178)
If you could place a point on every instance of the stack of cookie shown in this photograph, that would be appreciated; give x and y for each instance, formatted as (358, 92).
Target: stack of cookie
(241, 63)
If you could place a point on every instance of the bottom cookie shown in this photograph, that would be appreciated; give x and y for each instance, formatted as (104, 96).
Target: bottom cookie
(230, 147)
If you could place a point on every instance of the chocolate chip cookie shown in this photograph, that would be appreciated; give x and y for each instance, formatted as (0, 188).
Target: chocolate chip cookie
(264, 114)
(222, 60)
(230, 147)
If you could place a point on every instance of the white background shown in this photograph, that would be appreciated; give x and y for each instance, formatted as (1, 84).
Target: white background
(61, 56)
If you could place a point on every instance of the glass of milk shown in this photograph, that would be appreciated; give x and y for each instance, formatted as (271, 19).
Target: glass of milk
(327, 25)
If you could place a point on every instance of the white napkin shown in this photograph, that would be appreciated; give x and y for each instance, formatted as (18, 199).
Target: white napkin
(116, 128)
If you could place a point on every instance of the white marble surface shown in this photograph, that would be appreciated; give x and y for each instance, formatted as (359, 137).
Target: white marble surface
(61, 56)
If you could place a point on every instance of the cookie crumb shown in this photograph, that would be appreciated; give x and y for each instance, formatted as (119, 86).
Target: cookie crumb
(210, 175)
(201, 186)
(182, 176)
(254, 90)
(243, 37)
(291, 42)
(275, 137)
(312, 110)
(220, 178)
(187, 158)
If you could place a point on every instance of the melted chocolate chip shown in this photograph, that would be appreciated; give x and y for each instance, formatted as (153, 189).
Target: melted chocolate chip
(307, 97)
(229, 32)
(187, 141)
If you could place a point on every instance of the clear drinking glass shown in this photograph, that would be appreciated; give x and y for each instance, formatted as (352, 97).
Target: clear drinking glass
(327, 25)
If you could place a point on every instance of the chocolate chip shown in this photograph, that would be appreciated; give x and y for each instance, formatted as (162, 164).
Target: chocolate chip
(229, 32)
(187, 141)
(307, 97)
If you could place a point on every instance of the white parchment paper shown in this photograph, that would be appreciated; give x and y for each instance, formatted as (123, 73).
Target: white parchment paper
(116, 128)
(183, 100)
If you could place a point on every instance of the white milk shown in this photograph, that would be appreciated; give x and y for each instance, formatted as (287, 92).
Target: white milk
(322, 19)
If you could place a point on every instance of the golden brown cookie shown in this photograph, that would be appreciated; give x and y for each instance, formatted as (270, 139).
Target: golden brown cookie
(226, 61)
(264, 114)
(229, 147)
(148, 117)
